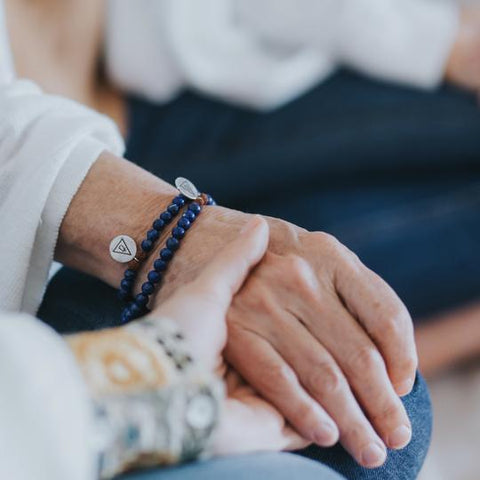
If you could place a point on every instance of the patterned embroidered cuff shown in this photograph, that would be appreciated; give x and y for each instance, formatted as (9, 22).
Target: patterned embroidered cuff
(153, 404)
(155, 428)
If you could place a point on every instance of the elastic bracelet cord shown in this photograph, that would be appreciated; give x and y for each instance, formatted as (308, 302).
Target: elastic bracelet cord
(138, 306)
(164, 219)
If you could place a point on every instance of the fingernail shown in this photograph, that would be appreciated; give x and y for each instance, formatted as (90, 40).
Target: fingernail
(373, 455)
(400, 437)
(326, 435)
(405, 387)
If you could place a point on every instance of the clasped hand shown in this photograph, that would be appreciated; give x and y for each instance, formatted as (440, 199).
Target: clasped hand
(318, 349)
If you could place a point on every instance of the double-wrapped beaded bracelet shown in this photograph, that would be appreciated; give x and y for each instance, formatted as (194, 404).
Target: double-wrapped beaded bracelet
(158, 226)
(124, 249)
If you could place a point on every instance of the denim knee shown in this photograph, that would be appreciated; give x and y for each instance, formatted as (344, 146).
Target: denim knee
(275, 466)
(402, 464)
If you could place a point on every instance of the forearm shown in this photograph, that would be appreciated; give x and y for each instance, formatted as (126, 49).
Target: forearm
(116, 197)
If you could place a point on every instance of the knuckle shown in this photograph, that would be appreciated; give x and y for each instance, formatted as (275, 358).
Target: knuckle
(295, 265)
(366, 359)
(263, 303)
(339, 253)
(327, 240)
(279, 375)
(396, 332)
(400, 319)
(409, 365)
(299, 273)
(305, 414)
(325, 380)
(356, 432)
(392, 327)
(389, 412)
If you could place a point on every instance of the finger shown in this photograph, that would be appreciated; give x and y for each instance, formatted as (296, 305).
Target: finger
(385, 318)
(354, 352)
(212, 292)
(224, 276)
(323, 379)
(262, 367)
(237, 389)
(364, 369)
(252, 426)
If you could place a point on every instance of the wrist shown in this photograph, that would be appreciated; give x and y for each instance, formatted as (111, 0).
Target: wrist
(115, 198)
(215, 227)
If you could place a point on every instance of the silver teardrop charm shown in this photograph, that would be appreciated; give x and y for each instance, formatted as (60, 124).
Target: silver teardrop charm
(123, 248)
(187, 188)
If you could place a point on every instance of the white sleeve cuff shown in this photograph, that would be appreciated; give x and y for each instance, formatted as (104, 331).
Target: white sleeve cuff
(407, 41)
(47, 145)
(66, 185)
(45, 412)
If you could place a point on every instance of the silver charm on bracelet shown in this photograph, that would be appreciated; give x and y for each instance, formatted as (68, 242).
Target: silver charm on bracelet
(187, 188)
(123, 248)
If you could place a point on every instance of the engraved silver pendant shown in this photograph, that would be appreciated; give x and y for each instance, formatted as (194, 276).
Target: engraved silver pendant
(123, 248)
(187, 188)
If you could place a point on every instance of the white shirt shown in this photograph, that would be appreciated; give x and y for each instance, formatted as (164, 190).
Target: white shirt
(47, 145)
(264, 53)
(257, 53)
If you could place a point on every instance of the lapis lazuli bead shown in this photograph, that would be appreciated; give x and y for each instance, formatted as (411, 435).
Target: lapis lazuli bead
(126, 284)
(178, 232)
(189, 215)
(146, 245)
(173, 209)
(129, 274)
(127, 315)
(154, 277)
(180, 201)
(195, 208)
(148, 288)
(166, 217)
(159, 265)
(153, 235)
(158, 224)
(166, 254)
(135, 309)
(123, 295)
(184, 223)
(137, 305)
(141, 299)
(173, 244)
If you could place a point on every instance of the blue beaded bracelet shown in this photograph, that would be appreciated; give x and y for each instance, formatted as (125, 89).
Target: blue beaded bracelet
(138, 306)
(164, 219)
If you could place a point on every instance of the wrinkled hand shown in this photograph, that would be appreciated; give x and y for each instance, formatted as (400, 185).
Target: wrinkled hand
(248, 423)
(463, 66)
(319, 335)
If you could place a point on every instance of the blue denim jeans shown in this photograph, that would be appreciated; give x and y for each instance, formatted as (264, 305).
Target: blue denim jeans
(263, 466)
(393, 173)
